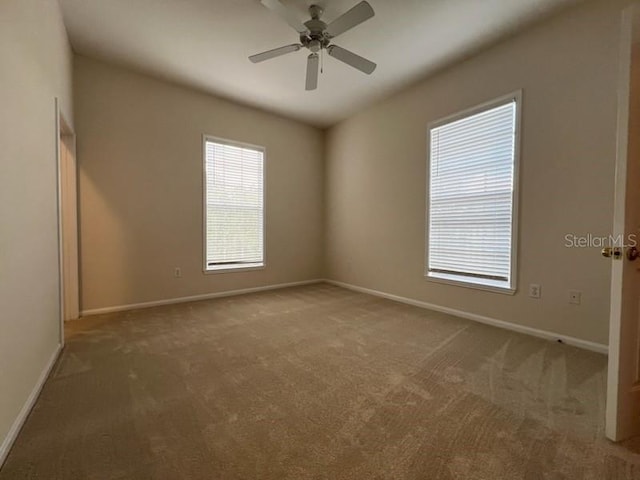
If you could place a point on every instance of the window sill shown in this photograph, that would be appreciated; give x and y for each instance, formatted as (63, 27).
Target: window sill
(233, 268)
(494, 286)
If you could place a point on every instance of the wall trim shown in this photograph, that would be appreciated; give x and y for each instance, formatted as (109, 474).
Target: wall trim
(547, 335)
(195, 298)
(9, 440)
(576, 342)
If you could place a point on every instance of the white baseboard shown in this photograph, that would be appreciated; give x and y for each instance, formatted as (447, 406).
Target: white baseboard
(576, 342)
(194, 298)
(7, 443)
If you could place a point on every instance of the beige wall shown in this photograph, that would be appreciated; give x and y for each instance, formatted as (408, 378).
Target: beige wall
(35, 67)
(376, 171)
(140, 159)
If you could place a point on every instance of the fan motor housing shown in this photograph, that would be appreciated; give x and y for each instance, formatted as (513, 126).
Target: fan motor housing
(314, 42)
(316, 38)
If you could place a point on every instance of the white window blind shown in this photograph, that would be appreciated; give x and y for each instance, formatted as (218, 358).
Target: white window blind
(234, 205)
(471, 197)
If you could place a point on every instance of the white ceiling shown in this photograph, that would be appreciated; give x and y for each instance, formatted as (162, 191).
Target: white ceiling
(205, 44)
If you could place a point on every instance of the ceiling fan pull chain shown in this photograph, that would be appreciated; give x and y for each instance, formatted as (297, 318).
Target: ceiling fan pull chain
(322, 60)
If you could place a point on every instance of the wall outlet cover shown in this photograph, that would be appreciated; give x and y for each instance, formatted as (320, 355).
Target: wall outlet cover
(535, 290)
(575, 297)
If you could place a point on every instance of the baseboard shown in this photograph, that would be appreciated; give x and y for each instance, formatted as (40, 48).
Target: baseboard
(576, 342)
(194, 298)
(7, 443)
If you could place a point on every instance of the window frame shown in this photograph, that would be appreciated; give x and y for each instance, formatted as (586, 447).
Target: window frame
(464, 281)
(239, 268)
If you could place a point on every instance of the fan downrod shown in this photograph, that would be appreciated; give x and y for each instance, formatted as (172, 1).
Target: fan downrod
(316, 12)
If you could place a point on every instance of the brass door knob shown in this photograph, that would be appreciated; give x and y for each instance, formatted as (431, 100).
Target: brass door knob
(614, 252)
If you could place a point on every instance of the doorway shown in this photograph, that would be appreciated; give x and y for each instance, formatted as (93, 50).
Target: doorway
(67, 223)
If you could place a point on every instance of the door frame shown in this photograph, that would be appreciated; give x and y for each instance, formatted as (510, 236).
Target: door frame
(63, 129)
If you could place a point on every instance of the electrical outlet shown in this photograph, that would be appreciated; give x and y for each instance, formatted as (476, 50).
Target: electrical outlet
(575, 297)
(535, 291)
(177, 272)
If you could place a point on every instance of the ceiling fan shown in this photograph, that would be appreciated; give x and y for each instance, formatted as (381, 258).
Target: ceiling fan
(316, 36)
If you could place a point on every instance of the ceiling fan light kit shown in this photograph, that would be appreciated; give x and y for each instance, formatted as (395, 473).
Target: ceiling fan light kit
(316, 36)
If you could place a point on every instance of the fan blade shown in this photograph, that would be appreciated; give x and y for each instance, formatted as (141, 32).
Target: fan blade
(350, 58)
(313, 62)
(352, 18)
(287, 15)
(276, 52)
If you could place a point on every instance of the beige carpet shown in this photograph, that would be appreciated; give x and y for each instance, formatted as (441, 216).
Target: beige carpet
(315, 382)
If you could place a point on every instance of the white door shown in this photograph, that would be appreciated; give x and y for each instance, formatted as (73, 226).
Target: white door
(623, 391)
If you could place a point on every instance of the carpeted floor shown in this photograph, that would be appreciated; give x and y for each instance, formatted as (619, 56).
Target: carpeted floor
(315, 382)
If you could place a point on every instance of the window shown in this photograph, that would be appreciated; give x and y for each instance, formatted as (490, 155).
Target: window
(472, 197)
(234, 205)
